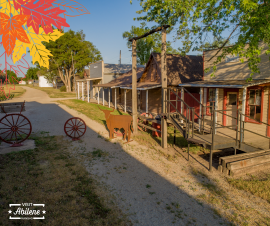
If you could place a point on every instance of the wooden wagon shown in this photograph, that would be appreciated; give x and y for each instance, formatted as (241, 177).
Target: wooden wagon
(14, 127)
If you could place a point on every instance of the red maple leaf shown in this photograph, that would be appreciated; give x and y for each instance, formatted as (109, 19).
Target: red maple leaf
(18, 69)
(41, 14)
(11, 29)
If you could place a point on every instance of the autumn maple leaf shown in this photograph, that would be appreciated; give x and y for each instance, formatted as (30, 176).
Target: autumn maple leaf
(42, 13)
(11, 29)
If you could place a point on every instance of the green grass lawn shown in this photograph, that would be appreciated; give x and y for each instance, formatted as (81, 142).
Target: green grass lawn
(54, 93)
(17, 90)
(258, 185)
(90, 110)
(49, 174)
(145, 137)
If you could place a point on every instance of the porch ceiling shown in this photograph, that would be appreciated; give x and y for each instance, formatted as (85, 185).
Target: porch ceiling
(142, 86)
(226, 83)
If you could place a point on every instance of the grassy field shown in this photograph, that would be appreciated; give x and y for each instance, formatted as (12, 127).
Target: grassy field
(145, 137)
(50, 175)
(258, 185)
(54, 93)
(17, 90)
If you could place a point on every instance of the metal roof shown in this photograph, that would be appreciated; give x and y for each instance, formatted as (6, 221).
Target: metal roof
(226, 83)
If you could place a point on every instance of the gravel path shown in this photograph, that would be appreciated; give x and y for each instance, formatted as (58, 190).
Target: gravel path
(148, 187)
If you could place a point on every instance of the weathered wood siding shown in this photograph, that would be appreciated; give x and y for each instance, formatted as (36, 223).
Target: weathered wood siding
(236, 70)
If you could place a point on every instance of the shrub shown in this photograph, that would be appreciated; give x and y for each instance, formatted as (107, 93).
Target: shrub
(63, 89)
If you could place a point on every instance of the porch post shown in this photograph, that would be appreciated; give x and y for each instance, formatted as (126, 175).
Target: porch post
(82, 92)
(103, 96)
(88, 98)
(216, 108)
(109, 93)
(201, 113)
(98, 95)
(93, 89)
(205, 100)
(244, 98)
(182, 104)
(125, 100)
(146, 101)
(78, 90)
(115, 103)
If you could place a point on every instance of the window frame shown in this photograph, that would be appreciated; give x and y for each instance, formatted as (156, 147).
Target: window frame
(247, 111)
(208, 102)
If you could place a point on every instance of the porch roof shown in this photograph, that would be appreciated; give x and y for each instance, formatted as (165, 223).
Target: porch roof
(143, 86)
(226, 83)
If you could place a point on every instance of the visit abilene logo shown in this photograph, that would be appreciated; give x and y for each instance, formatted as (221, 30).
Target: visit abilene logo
(27, 211)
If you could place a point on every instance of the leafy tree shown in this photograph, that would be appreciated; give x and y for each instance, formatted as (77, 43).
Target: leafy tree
(32, 73)
(71, 43)
(145, 46)
(10, 75)
(245, 20)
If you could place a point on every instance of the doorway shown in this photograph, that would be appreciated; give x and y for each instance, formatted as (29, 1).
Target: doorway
(232, 109)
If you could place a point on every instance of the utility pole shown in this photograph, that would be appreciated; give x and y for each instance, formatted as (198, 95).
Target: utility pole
(134, 87)
(164, 138)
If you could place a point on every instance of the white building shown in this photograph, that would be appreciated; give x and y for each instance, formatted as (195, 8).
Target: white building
(43, 82)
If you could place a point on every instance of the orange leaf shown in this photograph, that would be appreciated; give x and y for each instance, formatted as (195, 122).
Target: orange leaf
(11, 29)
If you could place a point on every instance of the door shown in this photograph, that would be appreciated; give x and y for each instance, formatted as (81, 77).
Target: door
(231, 109)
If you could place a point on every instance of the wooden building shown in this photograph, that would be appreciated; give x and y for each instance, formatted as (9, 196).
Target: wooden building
(180, 69)
(97, 74)
(230, 91)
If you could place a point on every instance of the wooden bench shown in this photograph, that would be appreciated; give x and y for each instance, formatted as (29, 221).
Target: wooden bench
(244, 163)
(12, 107)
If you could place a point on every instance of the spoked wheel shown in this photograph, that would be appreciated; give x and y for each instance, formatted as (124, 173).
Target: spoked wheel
(75, 128)
(14, 129)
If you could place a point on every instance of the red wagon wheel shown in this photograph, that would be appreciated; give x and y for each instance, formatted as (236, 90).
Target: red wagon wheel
(75, 128)
(14, 129)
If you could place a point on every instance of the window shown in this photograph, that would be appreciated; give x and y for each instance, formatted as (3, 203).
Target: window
(211, 100)
(254, 107)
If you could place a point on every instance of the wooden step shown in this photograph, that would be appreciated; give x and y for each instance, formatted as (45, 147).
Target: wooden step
(223, 161)
(250, 169)
(239, 156)
(248, 162)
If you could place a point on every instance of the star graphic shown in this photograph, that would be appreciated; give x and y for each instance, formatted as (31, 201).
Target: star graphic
(9, 211)
(43, 211)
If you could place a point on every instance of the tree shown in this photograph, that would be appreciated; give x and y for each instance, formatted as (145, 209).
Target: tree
(71, 43)
(10, 75)
(31, 73)
(245, 20)
(145, 46)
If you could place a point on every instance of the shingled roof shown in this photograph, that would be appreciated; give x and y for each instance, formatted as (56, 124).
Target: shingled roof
(180, 69)
(124, 79)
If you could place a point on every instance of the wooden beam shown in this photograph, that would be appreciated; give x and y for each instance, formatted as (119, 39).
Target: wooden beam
(125, 100)
(82, 92)
(201, 110)
(134, 87)
(103, 96)
(109, 94)
(163, 27)
(115, 103)
(164, 136)
(78, 90)
(98, 95)
(216, 108)
(243, 109)
(88, 91)
(146, 101)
